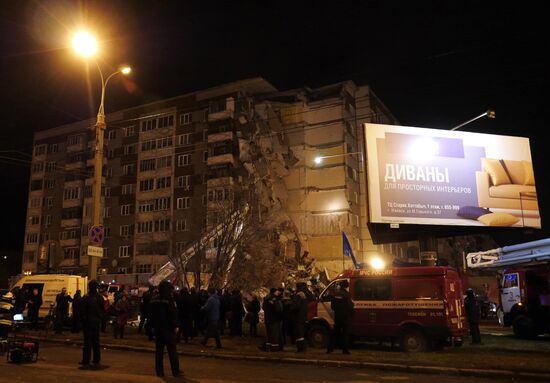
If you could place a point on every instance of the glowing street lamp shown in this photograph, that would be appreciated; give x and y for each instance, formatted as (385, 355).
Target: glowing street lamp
(377, 263)
(85, 45)
(490, 113)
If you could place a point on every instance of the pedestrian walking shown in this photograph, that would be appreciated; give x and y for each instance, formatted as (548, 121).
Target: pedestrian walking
(237, 314)
(342, 306)
(253, 314)
(61, 310)
(473, 314)
(77, 312)
(93, 312)
(163, 315)
(273, 315)
(122, 306)
(33, 304)
(211, 311)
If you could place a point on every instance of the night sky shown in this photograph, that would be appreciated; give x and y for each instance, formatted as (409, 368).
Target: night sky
(433, 63)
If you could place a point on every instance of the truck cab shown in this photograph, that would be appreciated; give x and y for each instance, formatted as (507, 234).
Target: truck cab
(417, 307)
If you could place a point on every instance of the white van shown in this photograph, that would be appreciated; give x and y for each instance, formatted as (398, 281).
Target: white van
(49, 285)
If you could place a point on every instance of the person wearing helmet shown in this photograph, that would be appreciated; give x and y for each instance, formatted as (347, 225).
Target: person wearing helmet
(473, 313)
(342, 306)
(6, 314)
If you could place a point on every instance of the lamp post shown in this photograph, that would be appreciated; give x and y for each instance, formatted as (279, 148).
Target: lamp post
(85, 45)
(490, 113)
(319, 159)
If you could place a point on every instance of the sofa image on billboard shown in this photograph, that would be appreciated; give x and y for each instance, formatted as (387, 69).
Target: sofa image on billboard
(506, 184)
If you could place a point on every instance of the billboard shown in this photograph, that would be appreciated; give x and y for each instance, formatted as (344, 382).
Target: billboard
(441, 177)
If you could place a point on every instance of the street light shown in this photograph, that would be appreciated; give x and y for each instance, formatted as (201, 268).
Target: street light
(319, 159)
(490, 113)
(86, 46)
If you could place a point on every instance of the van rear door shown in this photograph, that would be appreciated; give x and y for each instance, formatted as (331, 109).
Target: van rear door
(454, 299)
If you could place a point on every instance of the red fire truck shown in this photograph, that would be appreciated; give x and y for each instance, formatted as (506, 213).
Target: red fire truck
(417, 307)
(524, 273)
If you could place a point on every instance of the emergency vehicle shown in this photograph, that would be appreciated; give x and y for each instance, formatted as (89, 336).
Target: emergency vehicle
(417, 307)
(524, 283)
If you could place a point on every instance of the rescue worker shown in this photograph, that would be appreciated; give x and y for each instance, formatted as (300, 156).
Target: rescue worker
(61, 309)
(33, 304)
(273, 314)
(299, 317)
(342, 306)
(473, 314)
(6, 315)
(163, 315)
(92, 313)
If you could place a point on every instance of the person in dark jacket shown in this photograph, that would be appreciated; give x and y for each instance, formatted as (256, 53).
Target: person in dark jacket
(273, 314)
(144, 308)
(163, 315)
(185, 315)
(253, 308)
(237, 313)
(20, 300)
(299, 318)
(195, 311)
(211, 311)
(92, 313)
(122, 307)
(61, 309)
(473, 314)
(33, 304)
(342, 306)
(77, 315)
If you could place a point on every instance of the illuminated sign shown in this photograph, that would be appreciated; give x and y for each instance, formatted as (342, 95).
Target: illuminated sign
(441, 177)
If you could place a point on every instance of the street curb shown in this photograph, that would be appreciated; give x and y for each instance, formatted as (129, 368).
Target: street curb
(436, 370)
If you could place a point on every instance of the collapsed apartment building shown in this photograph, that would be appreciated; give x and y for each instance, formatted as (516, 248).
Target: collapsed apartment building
(177, 169)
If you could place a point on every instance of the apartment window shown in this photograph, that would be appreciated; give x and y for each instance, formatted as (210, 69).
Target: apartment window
(71, 252)
(122, 270)
(107, 212)
(126, 209)
(129, 169)
(74, 140)
(51, 166)
(158, 143)
(205, 156)
(156, 204)
(53, 148)
(183, 181)
(87, 191)
(35, 202)
(160, 225)
(108, 172)
(40, 150)
(148, 125)
(107, 191)
(184, 139)
(147, 185)
(48, 202)
(125, 230)
(164, 162)
(186, 118)
(356, 197)
(71, 193)
(48, 220)
(31, 238)
(181, 225)
(129, 131)
(111, 134)
(146, 165)
(69, 234)
(123, 251)
(129, 149)
(128, 189)
(144, 269)
(34, 220)
(184, 159)
(352, 173)
(183, 203)
(37, 167)
(166, 121)
(110, 154)
(163, 182)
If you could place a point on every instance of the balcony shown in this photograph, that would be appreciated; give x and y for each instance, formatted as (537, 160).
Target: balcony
(221, 159)
(222, 109)
(219, 137)
(76, 147)
(71, 222)
(69, 242)
(75, 165)
(221, 181)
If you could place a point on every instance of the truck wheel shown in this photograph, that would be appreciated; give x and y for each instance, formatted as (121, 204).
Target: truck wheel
(523, 327)
(318, 336)
(413, 340)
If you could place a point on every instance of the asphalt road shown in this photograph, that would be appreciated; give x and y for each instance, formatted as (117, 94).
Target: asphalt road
(59, 364)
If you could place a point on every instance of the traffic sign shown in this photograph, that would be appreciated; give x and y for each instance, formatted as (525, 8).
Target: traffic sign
(94, 251)
(96, 235)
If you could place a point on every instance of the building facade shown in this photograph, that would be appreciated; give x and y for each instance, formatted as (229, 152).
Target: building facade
(171, 165)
